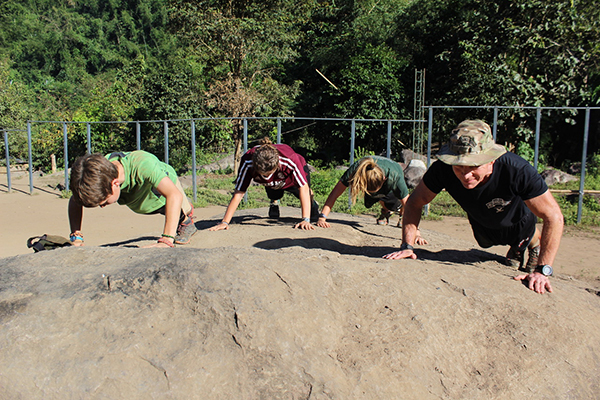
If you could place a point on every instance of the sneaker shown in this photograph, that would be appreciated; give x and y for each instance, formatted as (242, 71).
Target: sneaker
(185, 231)
(274, 209)
(384, 217)
(515, 257)
(532, 260)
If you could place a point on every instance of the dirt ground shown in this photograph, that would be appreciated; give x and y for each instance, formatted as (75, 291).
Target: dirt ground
(265, 311)
(24, 215)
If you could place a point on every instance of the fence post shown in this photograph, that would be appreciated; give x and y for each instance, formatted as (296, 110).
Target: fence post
(278, 130)
(495, 126)
(195, 189)
(429, 137)
(138, 135)
(538, 121)
(30, 157)
(586, 132)
(245, 123)
(7, 160)
(352, 140)
(89, 137)
(388, 150)
(66, 163)
(166, 129)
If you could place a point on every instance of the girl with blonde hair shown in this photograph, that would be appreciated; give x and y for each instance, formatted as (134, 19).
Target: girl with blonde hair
(380, 180)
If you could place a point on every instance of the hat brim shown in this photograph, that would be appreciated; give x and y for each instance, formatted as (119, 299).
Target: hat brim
(471, 160)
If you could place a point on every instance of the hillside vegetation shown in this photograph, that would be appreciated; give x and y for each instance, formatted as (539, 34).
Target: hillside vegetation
(140, 60)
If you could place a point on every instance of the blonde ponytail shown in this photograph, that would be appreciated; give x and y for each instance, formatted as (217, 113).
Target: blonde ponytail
(368, 177)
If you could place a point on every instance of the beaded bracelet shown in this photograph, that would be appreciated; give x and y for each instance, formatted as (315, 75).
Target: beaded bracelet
(75, 236)
(166, 241)
(167, 236)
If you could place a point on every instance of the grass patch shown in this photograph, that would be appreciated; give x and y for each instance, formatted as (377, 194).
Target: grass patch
(444, 205)
(207, 197)
(217, 189)
(218, 182)
(590, 210)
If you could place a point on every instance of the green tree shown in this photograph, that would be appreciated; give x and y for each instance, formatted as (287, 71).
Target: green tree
(63, 48)
(244, 44)
(348, 70)
(522, 53)
(13, 111)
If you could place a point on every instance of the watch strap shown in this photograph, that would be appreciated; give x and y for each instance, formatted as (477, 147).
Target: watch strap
(544, 269)
(406, 246)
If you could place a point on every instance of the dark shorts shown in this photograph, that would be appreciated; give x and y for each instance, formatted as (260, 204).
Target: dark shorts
(276, 194)
(518, 235)
(390, 201)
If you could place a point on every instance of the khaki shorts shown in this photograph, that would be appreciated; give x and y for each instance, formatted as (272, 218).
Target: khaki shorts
(186, 206)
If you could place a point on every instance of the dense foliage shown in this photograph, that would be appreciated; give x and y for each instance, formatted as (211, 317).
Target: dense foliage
(151, 60)
(513, 53)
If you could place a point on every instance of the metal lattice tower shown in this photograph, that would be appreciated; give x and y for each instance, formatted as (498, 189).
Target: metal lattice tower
(419, 112)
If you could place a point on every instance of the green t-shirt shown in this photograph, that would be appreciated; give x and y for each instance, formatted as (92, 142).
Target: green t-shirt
(143, 173)
(393, 171)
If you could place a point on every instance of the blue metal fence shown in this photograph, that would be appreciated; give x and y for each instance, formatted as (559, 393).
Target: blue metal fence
(538, 110)
(279, 120)
(192, 122)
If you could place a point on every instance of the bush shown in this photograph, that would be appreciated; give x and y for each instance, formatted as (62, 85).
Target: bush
(322, 182)
(216, 190)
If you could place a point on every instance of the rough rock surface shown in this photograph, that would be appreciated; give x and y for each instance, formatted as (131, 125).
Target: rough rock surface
(413, 173)
(554, 176)
(265, 311)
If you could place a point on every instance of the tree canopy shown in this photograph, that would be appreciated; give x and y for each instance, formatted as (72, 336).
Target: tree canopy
(175, 59)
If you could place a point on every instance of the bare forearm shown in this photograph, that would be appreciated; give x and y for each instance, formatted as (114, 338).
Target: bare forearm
(333, 196)
(546, 208)
(550, 241)
(305, 201)
(172, 213)
(233, 205)
(410, 223)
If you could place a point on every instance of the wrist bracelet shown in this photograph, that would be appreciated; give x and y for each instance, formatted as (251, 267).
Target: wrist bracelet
(167, 236)
(322, 216)
(226, 223)
(75, 236)
(166, 241)
(307, 219)
(406, 246)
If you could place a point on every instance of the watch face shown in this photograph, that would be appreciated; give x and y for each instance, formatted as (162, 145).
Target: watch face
(547, 270)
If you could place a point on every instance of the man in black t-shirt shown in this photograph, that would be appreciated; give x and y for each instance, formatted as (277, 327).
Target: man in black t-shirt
(502, 195)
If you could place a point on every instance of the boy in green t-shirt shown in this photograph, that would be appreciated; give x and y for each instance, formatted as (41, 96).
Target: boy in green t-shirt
(138, 180)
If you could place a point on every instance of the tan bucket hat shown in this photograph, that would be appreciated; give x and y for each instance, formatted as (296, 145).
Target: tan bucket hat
(471, 144)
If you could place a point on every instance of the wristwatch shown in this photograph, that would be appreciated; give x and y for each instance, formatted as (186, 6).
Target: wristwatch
(406, 246)
(545, 269)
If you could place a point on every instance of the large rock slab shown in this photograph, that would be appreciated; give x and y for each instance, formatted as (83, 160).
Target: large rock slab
(276, 313)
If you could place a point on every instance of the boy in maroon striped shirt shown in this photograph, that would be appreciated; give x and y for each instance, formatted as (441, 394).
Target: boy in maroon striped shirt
(279, 169)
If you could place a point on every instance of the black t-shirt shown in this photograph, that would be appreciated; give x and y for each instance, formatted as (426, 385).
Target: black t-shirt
(498, 203)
